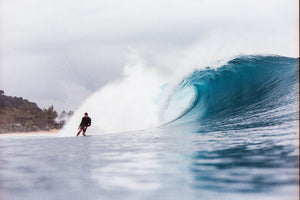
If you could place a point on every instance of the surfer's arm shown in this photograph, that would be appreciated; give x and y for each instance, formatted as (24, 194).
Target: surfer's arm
(81, 123)
(90, 122)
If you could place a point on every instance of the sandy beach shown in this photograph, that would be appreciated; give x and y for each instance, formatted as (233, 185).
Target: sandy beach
(36, 133)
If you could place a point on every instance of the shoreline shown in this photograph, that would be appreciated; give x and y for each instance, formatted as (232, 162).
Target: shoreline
(33, 133)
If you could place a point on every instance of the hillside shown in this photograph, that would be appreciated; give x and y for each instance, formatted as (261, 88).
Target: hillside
(20, 115)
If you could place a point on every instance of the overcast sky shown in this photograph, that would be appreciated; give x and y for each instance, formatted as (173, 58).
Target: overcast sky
(58, 52)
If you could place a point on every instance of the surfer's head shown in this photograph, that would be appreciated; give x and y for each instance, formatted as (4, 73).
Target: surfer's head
(86, 114)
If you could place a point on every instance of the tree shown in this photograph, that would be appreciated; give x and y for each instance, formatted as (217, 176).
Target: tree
(18, 114)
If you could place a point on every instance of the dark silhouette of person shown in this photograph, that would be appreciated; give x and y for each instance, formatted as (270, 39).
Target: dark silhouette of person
(85, 122)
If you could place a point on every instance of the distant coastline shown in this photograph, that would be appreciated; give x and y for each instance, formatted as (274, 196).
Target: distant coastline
(20, 116)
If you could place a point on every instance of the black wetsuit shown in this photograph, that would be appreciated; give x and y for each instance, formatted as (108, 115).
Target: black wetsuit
(86, 121)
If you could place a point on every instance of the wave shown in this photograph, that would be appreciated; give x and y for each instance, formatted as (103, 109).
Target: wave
(247, 91)
(246, 84)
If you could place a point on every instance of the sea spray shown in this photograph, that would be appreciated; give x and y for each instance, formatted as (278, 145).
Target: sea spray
(125, 105)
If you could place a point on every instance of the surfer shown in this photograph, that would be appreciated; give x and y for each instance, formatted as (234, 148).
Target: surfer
(85, 122)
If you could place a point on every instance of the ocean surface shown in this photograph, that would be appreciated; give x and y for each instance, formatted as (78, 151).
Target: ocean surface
(230, 132)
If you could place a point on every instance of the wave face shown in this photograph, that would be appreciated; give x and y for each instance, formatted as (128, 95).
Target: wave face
(248, 91)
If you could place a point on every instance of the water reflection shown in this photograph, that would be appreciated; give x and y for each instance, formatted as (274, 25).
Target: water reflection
(245, 168)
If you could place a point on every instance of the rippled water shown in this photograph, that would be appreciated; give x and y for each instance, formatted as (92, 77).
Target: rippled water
(253, 163)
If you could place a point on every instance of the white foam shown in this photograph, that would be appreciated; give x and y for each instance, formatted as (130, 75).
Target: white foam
(126, 105)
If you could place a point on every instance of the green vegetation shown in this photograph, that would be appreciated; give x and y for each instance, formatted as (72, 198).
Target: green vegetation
(20, 115)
